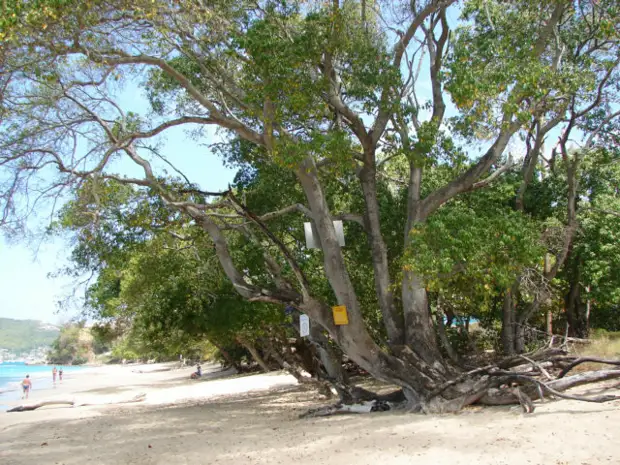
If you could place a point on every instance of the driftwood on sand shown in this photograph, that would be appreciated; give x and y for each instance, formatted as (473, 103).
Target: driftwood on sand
(27, 408)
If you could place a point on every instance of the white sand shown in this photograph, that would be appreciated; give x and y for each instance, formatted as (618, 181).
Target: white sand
(254, 420)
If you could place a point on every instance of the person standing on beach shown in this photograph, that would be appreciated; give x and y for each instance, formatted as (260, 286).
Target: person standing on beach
(54, 372)
(26, 386)
(60, 374)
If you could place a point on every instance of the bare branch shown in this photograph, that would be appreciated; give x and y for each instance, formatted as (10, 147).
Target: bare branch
(399, 50)
(168, 124)
(284, 211)
(495, 175)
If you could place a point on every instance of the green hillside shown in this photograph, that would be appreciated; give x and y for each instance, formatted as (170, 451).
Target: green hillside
(24, 335)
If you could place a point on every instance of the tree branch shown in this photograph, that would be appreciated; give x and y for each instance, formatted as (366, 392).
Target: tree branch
(496, 174)
(299, 274)
(469, 177)
(399, 50)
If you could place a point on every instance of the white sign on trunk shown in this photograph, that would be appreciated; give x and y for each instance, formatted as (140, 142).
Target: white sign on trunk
(312, 235)
(304, 325)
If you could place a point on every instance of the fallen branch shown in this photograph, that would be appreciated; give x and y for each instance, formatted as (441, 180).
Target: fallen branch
(581, 360)
(495, 384)
(555, 392)
(556, 388)
(538, 366)
(458, 379)
(526, 401)
(28, 408)
(509, 362)
(538, 356)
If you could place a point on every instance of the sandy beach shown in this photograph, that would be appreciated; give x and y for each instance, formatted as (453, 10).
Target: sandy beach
(231, 419)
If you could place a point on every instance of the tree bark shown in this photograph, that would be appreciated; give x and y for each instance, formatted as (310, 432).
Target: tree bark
(227, 356)
(255, 355)
(329, 356)
(353, 338)
(520, 337)
(443, 337)
(419, 329)
(509, 323)
(330, 359)
(576, 309)
(420, 333)
(383, 283)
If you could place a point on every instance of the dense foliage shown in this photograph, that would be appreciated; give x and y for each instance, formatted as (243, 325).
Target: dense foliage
(73, 346)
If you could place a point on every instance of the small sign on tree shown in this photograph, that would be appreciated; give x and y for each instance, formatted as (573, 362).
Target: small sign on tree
(340, 315)
(312, 235)
(304, 325)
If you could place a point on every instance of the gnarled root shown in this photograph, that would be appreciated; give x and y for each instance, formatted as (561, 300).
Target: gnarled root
(516, 380)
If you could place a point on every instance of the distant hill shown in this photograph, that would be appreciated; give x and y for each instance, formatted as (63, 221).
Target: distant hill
(24, 335)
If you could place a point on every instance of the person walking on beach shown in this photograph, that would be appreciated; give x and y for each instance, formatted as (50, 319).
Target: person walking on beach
(26, 386)
(60, 374)
(54, 372)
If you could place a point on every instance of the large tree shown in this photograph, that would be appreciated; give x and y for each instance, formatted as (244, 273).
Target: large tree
(327, 92)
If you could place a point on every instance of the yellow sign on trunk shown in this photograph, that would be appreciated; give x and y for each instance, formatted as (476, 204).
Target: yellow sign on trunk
(340, 315)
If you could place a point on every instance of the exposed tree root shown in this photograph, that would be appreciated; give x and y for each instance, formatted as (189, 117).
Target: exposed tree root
(339, 409)
(364, 402)
(537, 389)
(510, 381)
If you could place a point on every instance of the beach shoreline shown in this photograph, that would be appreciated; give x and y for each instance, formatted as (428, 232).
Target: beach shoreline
(254, 419)
(42, 381)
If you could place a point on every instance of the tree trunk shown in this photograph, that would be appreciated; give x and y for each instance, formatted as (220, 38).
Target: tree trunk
(588, 309)
(227, 356)
(509, 318)
(449, 317)
(443, 337)
(576, 310)
(354, 338)
(417, 367)
(383, 285)
(520, 338)
(330, 360)
(329, 356)
(255, 355)
(419, 329)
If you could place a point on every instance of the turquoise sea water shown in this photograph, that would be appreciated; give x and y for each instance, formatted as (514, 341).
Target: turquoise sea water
(11, 375)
